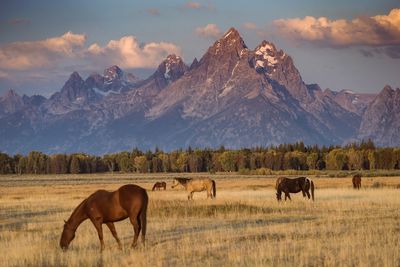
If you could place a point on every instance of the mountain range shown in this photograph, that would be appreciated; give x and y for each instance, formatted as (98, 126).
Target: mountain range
(233, 96)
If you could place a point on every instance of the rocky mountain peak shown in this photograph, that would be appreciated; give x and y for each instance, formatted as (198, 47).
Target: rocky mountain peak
(10, 93)
(230, 42)
(10, 102)
(73, 80)
(113, 73)
(381, 120)
(232, 34)
(72, 89)
(172, 68)
(267, 58)
(194, 64)
(75, 76)
(387, 91)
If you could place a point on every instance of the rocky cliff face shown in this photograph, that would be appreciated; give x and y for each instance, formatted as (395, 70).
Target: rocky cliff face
(232, 96)
(10, 103)
(381, 120)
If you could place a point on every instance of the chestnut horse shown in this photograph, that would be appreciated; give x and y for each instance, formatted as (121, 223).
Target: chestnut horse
(104, 207)
(159, 186)
(294, 185)
(356, 181)
(197, 185)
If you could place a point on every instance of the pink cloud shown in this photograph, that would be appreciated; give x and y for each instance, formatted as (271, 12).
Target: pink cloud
(250, 25)
(70, 49)
(42, 53)
(209, 31)
(380, 30)
(128, 53)
(193, 5)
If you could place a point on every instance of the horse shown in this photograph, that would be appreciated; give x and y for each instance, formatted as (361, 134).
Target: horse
(356, 181)
(104, 207)
(196, 185)
(294, 185)
(159, 186)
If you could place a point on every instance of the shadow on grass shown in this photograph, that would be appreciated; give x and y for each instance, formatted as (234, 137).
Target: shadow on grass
(186, 209)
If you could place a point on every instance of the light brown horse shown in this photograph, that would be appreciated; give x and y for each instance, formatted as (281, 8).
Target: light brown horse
(295, 185)
(104, 207)
(159, 186)
(356, 181)
(197, 185)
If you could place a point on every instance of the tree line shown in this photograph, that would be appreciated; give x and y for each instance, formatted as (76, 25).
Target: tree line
(298, 156)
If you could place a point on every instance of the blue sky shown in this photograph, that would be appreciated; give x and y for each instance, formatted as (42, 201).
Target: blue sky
(37, 56)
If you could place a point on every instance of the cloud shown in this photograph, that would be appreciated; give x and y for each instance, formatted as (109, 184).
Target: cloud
(153, 11)
(210, 31)
(23, 61)
(42, 53)
(128, 53)
(193, 5)
(250, 25)
(375, 31)
(198, 6)
(70, 49)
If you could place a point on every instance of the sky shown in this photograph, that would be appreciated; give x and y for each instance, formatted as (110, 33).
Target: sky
(338, 44)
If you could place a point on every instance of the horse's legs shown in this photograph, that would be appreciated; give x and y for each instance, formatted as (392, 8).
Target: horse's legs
(303, 192)
(288, 196)
(308, 194)
(190, 196)
(98, 225)
(136, 228)
(114, 233)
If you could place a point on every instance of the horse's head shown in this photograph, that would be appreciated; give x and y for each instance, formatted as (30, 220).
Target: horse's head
(279, 196)
(67, 236)
(175, 183)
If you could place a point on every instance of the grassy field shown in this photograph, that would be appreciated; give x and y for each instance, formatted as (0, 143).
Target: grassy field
(244, 226)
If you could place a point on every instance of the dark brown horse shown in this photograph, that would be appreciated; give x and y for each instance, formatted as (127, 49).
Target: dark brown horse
(356, 181)
(196, 185)
(159, 186)
(103, 207)
(294, 185)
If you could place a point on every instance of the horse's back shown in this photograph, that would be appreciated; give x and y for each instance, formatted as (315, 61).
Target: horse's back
(292, 185)
(131, 196)
(201, 183)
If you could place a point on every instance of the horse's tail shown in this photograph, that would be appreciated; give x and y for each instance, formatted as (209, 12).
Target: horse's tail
(143, 217)
(312, 188)
(214, 187)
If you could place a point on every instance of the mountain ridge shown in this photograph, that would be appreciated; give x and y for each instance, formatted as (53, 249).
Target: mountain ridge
(232, 96)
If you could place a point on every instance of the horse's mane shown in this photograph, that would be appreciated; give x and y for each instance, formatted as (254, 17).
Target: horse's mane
(182, 181)
(76, 210)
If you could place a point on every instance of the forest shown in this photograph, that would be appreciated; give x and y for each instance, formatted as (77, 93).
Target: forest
(356, 156)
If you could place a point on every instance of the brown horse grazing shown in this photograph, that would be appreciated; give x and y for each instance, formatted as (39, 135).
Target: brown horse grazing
(159, 186)
(197, 185)
(108, 207)
(356, 181)
(295, 185)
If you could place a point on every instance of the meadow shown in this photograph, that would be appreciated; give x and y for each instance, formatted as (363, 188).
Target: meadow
(243, 226)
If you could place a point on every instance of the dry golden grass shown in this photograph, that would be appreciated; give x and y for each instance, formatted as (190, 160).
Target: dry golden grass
(244, 226)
